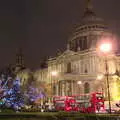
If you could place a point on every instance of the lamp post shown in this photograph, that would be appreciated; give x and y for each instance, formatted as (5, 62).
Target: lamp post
(100, 77)
(79, 83)
(106, 48)
(54, 75)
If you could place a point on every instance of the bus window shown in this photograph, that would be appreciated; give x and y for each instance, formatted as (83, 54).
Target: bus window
(87, 104)
(99, 96)
(60, 104)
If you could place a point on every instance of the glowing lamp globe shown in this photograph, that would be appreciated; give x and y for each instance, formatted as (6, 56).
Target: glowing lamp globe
(79, 82)
(54, 73)
(100, 77)
(106, 47)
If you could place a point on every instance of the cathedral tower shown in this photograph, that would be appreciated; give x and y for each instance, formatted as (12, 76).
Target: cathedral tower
(19, 60)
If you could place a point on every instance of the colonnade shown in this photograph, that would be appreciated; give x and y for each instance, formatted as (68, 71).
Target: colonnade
(68, 88)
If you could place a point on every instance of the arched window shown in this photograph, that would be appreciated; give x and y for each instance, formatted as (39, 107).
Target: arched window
(86, 88)
(85, 70)
(69, 67)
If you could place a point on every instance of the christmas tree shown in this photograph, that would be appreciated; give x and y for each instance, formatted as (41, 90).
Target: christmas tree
(11, 96)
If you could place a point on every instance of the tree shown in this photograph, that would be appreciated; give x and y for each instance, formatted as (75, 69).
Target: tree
(34, 94)
(11, 96)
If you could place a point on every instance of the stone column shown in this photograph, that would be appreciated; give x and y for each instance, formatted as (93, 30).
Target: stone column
(92, 67)
(90, 64)
(59, 88)
(68, 88)
(73, 88)
(63, 88)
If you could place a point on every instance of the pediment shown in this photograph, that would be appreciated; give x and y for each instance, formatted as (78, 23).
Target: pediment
(66, 53)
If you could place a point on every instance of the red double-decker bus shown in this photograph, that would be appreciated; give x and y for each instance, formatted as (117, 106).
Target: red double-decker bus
(87, 103)
(90, 103)
(64, 103)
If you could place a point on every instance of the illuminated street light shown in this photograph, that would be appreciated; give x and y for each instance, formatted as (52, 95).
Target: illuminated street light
(79, 85)
(54, 73)
(79, 82)
(100, 77)
(106, 48)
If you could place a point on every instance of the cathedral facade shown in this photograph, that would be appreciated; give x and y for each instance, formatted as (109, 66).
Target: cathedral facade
(80, 69)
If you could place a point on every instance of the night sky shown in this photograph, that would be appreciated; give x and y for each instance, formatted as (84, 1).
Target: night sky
(41, 27)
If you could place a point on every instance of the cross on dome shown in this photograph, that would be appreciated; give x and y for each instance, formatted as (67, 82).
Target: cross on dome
(89, 5)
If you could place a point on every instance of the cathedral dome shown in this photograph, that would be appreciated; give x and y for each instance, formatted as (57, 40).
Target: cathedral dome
(91, 18)
(90, 21)
(86, 34)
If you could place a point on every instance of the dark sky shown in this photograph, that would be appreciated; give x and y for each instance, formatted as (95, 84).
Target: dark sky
(41, 27)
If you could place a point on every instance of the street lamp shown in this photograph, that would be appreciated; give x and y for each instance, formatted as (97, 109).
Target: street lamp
(106, 48)
(54, 75)
(100, 77)
(79, 84)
